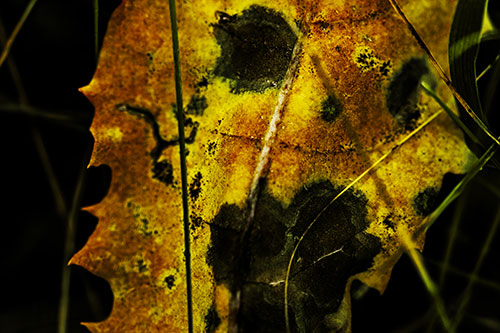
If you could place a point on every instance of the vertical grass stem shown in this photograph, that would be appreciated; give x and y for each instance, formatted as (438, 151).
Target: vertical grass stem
(182, 152)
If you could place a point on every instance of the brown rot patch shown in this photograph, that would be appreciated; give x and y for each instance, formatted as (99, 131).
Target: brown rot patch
(256, 47)
(335, 248)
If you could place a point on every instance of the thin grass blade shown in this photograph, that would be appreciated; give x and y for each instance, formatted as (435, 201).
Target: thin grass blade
(69, 245)
(182, 152)
(459, 188)
(457, 216)
(450, 112)
(430, 285)
(15, 32)
(474, 275)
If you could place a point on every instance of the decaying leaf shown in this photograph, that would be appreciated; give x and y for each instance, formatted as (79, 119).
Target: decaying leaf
(286, 104)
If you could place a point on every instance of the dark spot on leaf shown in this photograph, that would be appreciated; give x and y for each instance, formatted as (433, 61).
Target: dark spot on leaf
(373, 14)
(388, 222)
(148, 116)
(385, 68)
(195, 187)
(256, 48)
(142, 266)
(203, 83)
(196, 221)
(170, 281)
(164, 172)
(324, 25)
(193, 125)
(402, 93)
(426, 201)
(335, 248)
(212, 320)
(211, 148)
(196, 105)
(331, 107)
(145, 229)
(367, 60)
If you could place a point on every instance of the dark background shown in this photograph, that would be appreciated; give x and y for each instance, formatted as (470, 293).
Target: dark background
(54, 55)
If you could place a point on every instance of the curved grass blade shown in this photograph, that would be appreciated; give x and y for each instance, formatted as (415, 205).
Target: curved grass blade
(493, 69)
(463, 48)
(182, 152)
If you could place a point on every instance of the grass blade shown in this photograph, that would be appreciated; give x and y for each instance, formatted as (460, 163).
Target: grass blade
(457, 215)
(450, 112)
(59, 201)
(182, 152)
(474, 275)
(430, 285)
(457, 120)
(442, 73)
(459, 188)
(69, 245)
(463, 49)
(493, 285)
(13, 35)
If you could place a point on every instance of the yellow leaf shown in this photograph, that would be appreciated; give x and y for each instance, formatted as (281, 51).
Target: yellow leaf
(288, 103)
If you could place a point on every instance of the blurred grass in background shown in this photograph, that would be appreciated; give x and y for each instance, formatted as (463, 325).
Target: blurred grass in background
(53, 56)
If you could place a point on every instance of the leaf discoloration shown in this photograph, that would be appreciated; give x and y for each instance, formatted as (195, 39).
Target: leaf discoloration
(256, 47)
(310, 158)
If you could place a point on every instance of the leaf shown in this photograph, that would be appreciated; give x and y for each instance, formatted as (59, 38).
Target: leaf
(303, 121)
